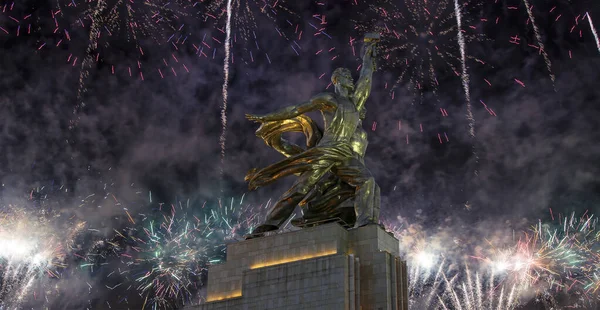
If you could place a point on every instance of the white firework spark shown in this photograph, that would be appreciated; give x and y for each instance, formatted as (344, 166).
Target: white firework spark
(223, 137)
(589, 18)
(464, 74)
(539, 40)
(29, 250)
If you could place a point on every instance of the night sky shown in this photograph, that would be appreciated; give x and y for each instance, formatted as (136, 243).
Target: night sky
(126, 136)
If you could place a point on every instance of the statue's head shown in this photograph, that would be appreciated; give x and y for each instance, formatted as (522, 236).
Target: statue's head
(342, 80)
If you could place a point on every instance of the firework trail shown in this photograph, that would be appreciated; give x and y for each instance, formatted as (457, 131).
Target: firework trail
(223, 137)
(86, 64)
(539, 41)
(464, 74)
(115, 22)
(239, 14)
(589, 18)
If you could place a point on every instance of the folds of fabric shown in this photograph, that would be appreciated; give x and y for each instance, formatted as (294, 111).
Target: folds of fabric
(331, 198)
(271, 133)
(316, 158)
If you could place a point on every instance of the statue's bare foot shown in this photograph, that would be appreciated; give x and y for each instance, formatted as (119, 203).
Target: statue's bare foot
(264, 228)
(298, 221)
(363, 221)
(260, 231)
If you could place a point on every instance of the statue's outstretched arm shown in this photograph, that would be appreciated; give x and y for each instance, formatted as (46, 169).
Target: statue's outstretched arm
(363, 86)
(319, 102)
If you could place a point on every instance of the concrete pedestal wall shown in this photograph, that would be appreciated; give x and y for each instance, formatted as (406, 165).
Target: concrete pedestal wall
(323, 267)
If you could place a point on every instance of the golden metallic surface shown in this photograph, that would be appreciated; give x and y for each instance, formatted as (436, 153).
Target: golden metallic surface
(231, 295)
(271, 133)
(331, 171)
(293, 259)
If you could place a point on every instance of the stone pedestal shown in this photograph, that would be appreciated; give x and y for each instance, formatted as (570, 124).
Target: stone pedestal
(322, 267)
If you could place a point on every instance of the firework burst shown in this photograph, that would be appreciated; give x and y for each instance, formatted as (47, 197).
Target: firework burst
(541, 262)
(241, 16)
(111, 27)
(116, 36)
(163, 255)
(171, 257)
(30, 250)
(109, 23)
(424, 40)
(176, 251)
(441, 280)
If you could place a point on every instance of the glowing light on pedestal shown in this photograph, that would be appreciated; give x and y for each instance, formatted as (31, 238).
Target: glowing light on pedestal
(292, 259)
(235, 294)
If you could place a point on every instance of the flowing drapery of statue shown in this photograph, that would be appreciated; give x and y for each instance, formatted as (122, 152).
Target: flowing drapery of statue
(332, 180)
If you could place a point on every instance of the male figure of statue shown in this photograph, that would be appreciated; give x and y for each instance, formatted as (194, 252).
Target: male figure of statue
(340, 150)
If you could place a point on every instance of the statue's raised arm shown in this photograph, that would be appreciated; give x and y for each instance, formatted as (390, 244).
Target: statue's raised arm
(363, 86)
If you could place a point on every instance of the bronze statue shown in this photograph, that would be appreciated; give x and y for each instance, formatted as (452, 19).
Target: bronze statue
(338, 151)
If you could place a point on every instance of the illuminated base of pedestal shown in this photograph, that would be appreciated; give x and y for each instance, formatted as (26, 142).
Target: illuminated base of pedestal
(292, 259)
(224, 297)
(323, 267)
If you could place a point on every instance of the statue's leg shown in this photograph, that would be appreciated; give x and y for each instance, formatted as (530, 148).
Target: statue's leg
(367, 196)
(326, 201)
(283, 209)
